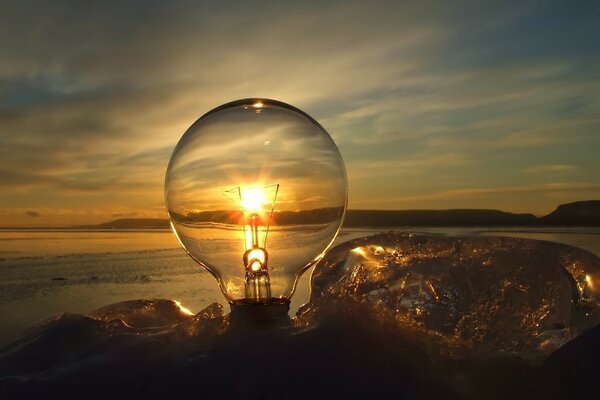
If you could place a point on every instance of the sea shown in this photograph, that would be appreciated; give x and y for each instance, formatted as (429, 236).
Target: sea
(51, 271)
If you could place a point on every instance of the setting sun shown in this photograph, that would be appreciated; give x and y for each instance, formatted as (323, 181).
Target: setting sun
(252, 199)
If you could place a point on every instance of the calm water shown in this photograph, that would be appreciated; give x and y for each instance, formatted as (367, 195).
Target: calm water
(46, 272)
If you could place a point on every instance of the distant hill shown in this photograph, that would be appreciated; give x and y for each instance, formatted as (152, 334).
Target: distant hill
(581, 213)
(316, 216)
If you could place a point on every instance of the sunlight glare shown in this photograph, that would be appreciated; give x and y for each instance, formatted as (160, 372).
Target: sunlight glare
(258, 255)
(252, 199)
(359, 250)
(589, 281)
(183, 309)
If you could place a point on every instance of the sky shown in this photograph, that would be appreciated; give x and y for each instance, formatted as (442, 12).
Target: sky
(433, 104)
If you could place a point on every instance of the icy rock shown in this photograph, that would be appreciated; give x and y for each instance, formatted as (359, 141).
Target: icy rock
(145, 313)
(494, 293)
(114, 333)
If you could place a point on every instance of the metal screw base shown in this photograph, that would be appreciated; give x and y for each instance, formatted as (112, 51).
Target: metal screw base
(272, 313)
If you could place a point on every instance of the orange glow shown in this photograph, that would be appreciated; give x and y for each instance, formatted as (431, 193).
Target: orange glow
(248, 236)
(256, 266)
(359, 250)
(589, 281)
(258, 104)
(182, 308)
(252, 199)
(435, 295)
(258, 255)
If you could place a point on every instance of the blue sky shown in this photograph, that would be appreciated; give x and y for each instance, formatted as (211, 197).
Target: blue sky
(433, 104)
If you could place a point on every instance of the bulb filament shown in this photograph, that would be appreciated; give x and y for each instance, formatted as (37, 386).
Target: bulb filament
(258, 283)
(257, 220)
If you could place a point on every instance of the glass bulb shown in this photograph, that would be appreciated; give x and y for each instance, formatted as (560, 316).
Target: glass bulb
(256, 192)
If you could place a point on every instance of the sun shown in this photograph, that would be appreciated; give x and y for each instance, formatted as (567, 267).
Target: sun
(252, 199)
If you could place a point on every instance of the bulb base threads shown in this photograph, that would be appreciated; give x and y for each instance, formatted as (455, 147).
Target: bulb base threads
(271, 313)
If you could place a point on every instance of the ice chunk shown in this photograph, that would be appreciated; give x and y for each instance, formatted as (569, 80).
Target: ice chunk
(497, 293)
(145, 313)
(66, 339)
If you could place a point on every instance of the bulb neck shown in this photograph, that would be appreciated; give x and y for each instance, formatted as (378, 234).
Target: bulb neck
(272, 313)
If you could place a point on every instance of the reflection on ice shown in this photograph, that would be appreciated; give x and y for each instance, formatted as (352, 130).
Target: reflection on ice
(145, 313)
(391, 315)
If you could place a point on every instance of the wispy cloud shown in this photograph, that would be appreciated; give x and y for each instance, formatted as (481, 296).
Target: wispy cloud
(422, 96)
(512, 198)
(550, 168)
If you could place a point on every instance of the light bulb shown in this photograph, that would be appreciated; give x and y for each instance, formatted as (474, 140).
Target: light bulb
(256, 192)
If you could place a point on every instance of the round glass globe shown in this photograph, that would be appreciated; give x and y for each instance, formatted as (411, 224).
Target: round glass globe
(256, 192)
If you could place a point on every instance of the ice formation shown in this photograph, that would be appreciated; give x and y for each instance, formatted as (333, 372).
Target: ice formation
(391, 315)
(496, 293)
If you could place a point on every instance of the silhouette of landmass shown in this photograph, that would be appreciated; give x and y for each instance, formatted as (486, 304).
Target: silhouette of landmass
(582, 213)
(303, 217)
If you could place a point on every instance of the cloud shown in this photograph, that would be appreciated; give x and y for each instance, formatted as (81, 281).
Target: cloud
(531, 189)
(125, 215)
(527, 198)
(550, 168)
(94, 98)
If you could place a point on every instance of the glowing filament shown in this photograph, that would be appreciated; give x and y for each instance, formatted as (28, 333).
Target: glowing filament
(258, 255)
(252, 232)
(255, 266)
(257, 208)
